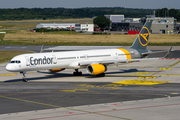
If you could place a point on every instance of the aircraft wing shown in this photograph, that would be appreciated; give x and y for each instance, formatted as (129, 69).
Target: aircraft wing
(107, 62)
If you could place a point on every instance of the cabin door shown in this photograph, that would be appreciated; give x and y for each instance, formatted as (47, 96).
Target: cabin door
(54, 59)
(27, 61)
(116, 56)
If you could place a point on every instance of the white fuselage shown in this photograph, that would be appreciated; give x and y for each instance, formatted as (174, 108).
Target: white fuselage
(70, 59)
(95, 61)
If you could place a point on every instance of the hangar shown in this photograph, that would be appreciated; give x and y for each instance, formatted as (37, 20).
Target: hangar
(56, 25)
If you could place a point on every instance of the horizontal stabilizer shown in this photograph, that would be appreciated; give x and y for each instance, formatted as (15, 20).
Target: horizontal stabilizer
(148, 53)
(167, 54)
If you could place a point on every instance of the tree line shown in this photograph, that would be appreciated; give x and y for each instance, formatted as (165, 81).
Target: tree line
(62, 13)
(164, 12)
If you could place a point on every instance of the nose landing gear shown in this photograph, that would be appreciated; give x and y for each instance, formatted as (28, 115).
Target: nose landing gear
(24, 76)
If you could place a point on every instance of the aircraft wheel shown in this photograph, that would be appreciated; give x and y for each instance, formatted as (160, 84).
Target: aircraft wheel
(80, 74)
(25, 80)
(77, 73)
(74, 73)
(101, 75)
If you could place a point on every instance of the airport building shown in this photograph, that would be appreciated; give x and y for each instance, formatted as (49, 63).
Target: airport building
(132, 19)
(163, 25)
(119, 23)
(77, 27)
(84, 27)
(56, 25)
(126, 26)
(178, 27)
(115, 18)
(160, 25)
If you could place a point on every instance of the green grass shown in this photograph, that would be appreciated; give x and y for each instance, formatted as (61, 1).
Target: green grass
(34, 42)
(10, 31)
(6, 56)
(1, 37)
(6, 26)
(9, 42)
(61, 32)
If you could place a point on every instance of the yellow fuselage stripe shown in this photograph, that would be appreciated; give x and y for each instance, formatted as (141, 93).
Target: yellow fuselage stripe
(128, 55)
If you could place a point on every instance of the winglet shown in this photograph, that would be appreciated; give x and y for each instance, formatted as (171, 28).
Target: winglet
(42, 49)
(167, 54)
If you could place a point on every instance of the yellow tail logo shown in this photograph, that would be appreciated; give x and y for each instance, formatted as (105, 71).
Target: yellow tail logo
(143, 37)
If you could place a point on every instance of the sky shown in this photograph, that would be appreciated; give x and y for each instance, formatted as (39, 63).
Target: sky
(147, 4)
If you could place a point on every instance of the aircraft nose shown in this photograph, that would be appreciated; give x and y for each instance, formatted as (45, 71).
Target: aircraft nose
(8, 67)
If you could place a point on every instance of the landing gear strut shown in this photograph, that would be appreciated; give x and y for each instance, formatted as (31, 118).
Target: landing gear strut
(24, 76)
(77, 73)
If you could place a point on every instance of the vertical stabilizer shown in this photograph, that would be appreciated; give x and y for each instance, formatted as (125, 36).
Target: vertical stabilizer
(42, 49)
(143, 37)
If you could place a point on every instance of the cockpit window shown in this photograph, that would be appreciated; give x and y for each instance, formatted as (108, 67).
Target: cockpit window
(15, 61)
(11, 61)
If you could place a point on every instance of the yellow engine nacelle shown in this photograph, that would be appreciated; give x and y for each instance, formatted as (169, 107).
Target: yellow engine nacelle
(56, 70)
(96, 69)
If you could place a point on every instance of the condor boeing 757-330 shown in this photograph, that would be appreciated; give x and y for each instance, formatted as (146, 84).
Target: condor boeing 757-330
(95, 61)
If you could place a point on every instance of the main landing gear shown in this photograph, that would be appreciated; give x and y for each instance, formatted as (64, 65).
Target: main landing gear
(101, 75)
(77, 73)
(24, 76)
